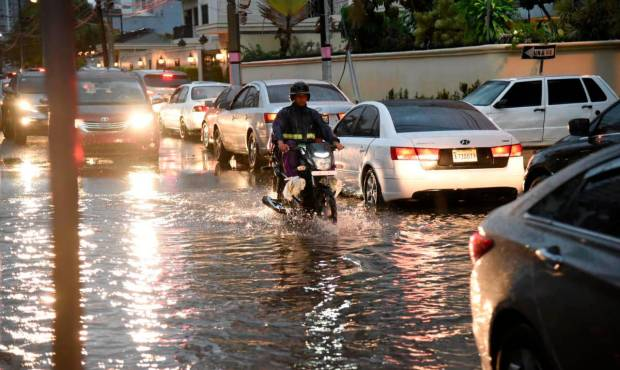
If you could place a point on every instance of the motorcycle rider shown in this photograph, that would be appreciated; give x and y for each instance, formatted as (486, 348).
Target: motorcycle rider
(298, 123)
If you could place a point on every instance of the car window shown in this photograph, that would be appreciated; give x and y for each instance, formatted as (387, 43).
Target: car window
(594, 90)
(420, 118)
(165, 80)
(182, 95)
(32, 85)
(566, 91)
(106, 91)
(524, 94)
(486, 93)
(239, 100)
(589, 201)
(367, 124)
(174, 96)
(346, 126)
(251, 99)
(322, 92)
(206, 92)
(609, 121)
(222, 98)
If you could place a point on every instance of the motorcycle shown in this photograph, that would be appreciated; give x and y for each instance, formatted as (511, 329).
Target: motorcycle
(317, 168)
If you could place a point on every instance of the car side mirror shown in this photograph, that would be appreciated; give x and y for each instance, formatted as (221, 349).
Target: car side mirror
(501, 104)
(579, 127)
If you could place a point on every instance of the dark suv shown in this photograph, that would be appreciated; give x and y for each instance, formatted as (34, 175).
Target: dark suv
(585, 137)
(25, 107)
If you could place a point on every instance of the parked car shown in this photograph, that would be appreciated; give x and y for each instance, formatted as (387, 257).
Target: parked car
(160, 84)
(545, 286)
(221, 103)
(185, 111)
(536, 110)
(245, 129)
(115, 117)
(25, 107)
(401, 149)
(585, 138)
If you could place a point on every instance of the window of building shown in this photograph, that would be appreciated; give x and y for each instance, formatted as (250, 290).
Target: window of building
(205, 14)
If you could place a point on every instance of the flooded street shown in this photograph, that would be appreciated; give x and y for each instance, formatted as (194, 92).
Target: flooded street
(183, 267)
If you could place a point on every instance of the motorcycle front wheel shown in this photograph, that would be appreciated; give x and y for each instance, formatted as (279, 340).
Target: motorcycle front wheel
(328, 208)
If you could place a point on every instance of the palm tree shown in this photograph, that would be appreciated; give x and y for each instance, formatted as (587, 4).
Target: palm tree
(284, 14)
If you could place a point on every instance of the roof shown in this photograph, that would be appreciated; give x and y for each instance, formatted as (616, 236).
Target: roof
(538, 76)
(143, 72)
(117, 75)
(452, 104)
(210, 83)
(292, 81)
(142, 36)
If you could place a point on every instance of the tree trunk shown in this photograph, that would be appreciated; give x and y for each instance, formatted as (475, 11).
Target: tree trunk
(542, 7)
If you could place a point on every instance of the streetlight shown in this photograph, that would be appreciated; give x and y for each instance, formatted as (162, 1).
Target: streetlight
(161, 60)
(190, 59)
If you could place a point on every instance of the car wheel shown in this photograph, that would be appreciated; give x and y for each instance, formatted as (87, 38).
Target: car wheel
(204, 136)
(254, 159)
(373, 198)
(183, 133)
(537, 180)
(520, 348)
(219, 152)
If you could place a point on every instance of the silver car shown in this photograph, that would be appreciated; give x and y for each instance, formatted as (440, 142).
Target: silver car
(245, 128)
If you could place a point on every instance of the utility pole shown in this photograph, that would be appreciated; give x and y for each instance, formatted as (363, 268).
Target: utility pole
(108, 12)
(104, 41)
(234, 44)
(20, 39)
(326, 48)
(58, 29)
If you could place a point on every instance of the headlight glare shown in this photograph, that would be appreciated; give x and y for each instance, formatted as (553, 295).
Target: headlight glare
(140, 120)
(25, 105)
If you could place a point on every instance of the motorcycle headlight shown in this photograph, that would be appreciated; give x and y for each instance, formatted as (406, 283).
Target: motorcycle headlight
(323, 164)
(140, 120)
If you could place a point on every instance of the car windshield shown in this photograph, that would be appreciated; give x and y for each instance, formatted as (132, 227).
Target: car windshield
(206, 92)
(99, 91)
(486, 93)
(280, 93)
(32, 84)
(414, 118)
(165, 80)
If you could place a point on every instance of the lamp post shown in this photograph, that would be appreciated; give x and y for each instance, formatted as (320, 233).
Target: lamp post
(202, 69)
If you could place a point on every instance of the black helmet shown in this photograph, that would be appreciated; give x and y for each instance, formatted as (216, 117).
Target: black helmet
(299, 87)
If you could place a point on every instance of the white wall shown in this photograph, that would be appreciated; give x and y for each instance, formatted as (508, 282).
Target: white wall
(427, 72)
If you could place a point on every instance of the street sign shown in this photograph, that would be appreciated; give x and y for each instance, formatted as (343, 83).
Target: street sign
(538, 52)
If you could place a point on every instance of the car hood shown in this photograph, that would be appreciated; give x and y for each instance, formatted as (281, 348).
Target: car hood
(34, 99)
(109, 113)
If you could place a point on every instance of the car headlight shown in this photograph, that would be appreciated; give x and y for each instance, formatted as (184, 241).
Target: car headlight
(25, 105)
(140, 120)
(78, 123)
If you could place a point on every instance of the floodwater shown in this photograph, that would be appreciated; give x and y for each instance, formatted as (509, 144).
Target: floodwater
(183, 267)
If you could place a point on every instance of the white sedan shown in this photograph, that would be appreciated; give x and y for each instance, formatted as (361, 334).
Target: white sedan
(401, 149)
(185, 111)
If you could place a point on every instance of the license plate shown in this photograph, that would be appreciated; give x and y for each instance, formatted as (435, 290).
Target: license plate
(464, 155)
(323, 173)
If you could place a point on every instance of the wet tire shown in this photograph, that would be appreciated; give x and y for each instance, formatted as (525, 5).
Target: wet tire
(183, 133)
(204, 136)
(520, 348)
(254, 159)
(537, 180)
(373, 198)
(331, 207)
(219, 152)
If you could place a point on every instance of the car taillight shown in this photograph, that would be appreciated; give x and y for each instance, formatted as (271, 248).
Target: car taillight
(270, 117)
(167, 76)
(150, 92)
(200, 108)
(340, 116)
(507, 151)
(479, 245)
(422, 154)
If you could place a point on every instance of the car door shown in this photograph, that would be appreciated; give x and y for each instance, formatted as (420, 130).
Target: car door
(344, 158)
(598, 99)
(520, 111)
(177, 107)
(248, 117)
(365, 131)
(577, 279)
(165, 111)
(566, 100)
(230, 124)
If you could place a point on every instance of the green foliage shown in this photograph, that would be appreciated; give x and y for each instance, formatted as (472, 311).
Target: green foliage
(590, 19)
(214, 72)
(296, 50)
(541, 32)
(369, 30)
(487, 20)
(192, 72)
(464, 90)
(440, 27)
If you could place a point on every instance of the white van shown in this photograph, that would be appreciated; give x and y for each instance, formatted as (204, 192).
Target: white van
(536, 110)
